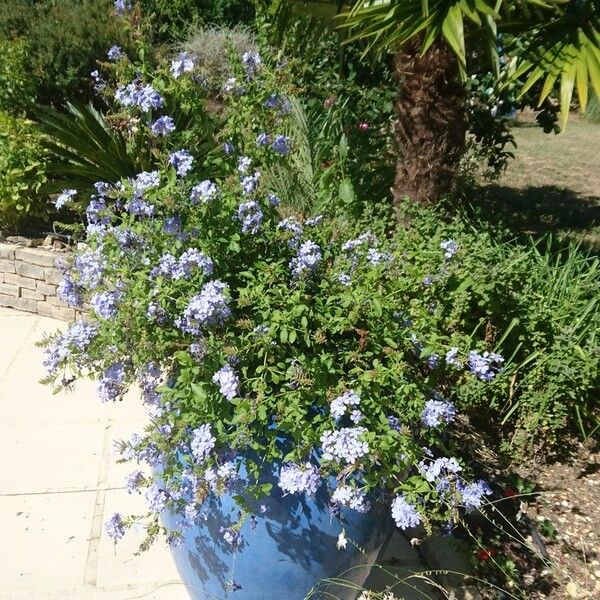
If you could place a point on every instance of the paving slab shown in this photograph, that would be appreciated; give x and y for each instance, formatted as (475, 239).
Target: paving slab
(59, 482)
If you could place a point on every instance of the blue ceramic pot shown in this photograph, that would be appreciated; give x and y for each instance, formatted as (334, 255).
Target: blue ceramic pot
(288, 548)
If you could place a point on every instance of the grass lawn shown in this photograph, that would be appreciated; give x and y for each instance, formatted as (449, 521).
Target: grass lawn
(554, 182)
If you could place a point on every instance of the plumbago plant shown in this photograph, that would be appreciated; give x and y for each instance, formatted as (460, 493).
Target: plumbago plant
(258, 338)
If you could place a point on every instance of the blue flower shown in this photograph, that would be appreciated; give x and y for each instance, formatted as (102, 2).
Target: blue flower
(450, 248)
(307, 259)
(182, 64)
(140, 207)
(251, 216)
(438, 412)
(451, 358)
(345, 495)
(472, 494)
(340, 405)
(112, 383)
(249, 183)
(228, 382)
(262, 139)
(344, 445)
(202, 442)
(65, 197)
(115, 53)
(438, 468)
(115, 527)
(210, 307)
(281, 145)
(204, 192)
(182, 161)
(163, 126)
(106, 304)
(146, 180)
(252, 62)
(404, 514)
(69, 292)
(486, 365)
(299, 479)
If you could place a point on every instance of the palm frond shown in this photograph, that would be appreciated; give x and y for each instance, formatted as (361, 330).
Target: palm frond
(561, 50)
(84, 148)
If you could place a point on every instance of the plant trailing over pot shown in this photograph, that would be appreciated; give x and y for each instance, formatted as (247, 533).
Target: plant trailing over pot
(270, 350)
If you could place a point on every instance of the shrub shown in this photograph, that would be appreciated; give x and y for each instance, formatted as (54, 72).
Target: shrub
(172, 20)
(210, 47)
(534, 305)
(257, 336)
(64, 39)
(22, 173)
(17, 86)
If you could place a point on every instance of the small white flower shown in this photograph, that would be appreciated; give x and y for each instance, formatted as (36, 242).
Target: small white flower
(342, 541)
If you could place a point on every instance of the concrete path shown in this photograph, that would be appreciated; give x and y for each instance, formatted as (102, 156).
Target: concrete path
(59, 481)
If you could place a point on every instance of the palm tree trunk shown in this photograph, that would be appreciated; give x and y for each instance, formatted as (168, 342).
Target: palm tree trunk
(431, 122)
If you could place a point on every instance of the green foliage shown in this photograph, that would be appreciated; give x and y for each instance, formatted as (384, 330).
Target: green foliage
(536, 306)
(88, 146)
(17, 86)
(85, 149)
(172, 20)
(347, 100)
(22, 173)
(64, 40)
(297, 338)
(553, 43)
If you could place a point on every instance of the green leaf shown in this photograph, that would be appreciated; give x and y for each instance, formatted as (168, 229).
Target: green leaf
(346, 191)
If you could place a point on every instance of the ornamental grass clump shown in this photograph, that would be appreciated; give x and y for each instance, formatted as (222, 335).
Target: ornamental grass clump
(256, 338)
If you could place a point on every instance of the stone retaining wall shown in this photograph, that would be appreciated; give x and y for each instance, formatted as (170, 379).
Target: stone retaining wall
(28, 281)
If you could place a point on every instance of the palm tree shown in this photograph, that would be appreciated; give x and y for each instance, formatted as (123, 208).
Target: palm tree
(549, 44)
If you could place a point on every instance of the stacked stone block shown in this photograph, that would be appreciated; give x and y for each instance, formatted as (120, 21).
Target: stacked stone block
(29, 279)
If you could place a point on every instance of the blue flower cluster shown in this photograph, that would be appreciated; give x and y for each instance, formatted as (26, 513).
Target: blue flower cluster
(486, 365)
(340, 404)
(251, 216)
(65, 197)
(210, 307)
(143, 96)
(354, 498)
(228, 381)
(76, 338)
(182, 161)
(204, 192)
(163, 126)
(404, 514)
(438, 412)
(106, 304)
(307, 260)
(111, 384)
(344, 444)
(202, 442)
(300, 479)
(183, 63)
(172, 268)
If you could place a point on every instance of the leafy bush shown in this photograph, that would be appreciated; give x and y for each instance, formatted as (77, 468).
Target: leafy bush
(64, 39)
(536, 306)
(22, 173)
(17, 86)
(88, 146)
(258, 336)
(172, 20)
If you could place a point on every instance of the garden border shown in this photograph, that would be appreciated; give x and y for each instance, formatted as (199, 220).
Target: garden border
(29, 280)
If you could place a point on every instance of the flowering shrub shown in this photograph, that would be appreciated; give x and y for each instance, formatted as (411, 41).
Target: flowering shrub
(259, 336)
